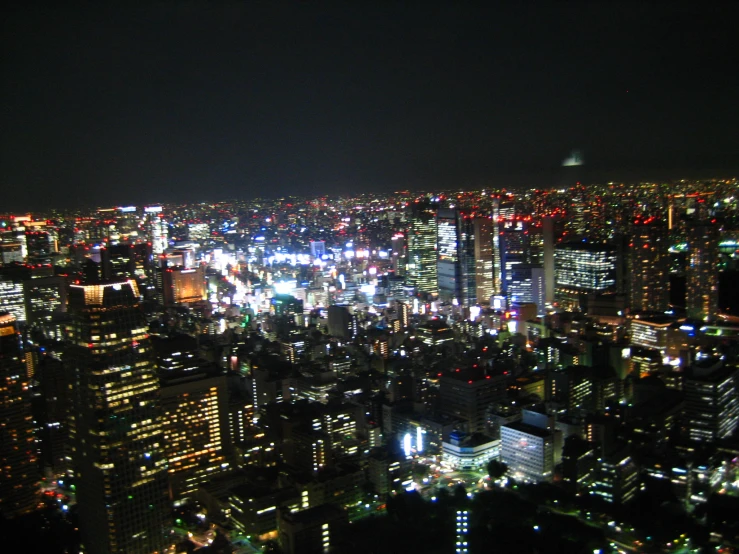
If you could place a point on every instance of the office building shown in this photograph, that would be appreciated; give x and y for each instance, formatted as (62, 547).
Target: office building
(159, 234)
(45, 301)
(527, 284)
(468, 452)
(11, 299)
(311, 531)
(464, 257)
(18, 463)
(194, 406)
(467, 394)
(342, 323)
(178, 285)
(702, 272)
(514, 250)
(581, 268)
(528, 451)
(484, 229)
(648, 267)
(422, 274)
(118, 454)
(651, 332)
(615, 478)
(711, 401)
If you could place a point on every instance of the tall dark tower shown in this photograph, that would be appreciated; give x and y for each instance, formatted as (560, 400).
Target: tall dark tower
(115, 424)
(18, 471)
(648, 267)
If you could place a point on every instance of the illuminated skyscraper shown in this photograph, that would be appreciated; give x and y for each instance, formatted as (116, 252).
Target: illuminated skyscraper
(422, 249)
(514, 250)
(702, 271)
(649, 268)
(711, 403)
(159, 234)
(464, 257)
(193, 404)
(485, 229)
(581, 268)
(18, 473)
(115, 425)
(11, 298)
(177, 285)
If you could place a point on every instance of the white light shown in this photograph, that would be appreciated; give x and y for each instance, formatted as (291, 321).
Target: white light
(407, 444)
(419, 439)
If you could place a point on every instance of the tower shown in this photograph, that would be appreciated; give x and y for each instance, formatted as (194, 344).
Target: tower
(115, 425)
(648, 275)
(422, 248)
(702, 271)
(18, 473)
(484, 228)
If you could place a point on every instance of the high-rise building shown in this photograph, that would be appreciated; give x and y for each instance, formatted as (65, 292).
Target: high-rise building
(11, 298)
(527, 284)
(118, 455)
(468, 394)
(485, 229)
(194, 405)
(448, 264)
(648, 265)
(702, 271)
(514, 249)
(18, 473)
(341, 322)
(581, 268)
(178, 285)
(616, 478)
(711, 403)
(45, 300)
(422, 248)
(464, 257)
(528, 451)
(159, 232)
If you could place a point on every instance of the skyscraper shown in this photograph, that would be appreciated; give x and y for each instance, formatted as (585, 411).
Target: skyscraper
(648, 275)
(711, 403)
(449, 262)
(514, 250)
(422, 248)
(194, 408)
(485, 229)
(581, 268)
(18, 474)
(702, 271)
(115, 426)
(464, 257)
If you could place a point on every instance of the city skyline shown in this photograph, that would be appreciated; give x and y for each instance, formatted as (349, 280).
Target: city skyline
(172, 102)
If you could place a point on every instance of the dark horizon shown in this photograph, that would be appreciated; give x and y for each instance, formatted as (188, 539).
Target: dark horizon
(190, 101)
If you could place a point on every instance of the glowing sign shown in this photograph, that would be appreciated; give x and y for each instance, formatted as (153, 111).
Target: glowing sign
(407, 444)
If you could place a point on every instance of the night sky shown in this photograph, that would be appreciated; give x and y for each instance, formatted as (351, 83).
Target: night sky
(188, 101)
